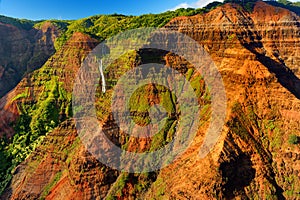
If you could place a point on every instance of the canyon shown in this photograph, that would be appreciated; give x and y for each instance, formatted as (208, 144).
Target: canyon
(257, 53)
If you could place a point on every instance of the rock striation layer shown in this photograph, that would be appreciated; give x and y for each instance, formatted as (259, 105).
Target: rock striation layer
(257, 54)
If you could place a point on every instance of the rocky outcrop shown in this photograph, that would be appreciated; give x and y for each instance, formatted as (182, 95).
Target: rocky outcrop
(31, 91)
(64, 65)
(257, 55)
(23, 51)
(61, 168)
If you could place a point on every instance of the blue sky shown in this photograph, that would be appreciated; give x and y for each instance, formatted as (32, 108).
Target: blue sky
(74, 9)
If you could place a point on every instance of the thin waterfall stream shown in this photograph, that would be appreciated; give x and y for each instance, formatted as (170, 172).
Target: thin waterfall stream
(102, 77)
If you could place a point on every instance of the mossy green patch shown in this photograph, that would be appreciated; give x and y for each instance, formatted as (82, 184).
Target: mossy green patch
(117, 187)
(51, 184)
(37, 118)
(104, 26)
(22, 95)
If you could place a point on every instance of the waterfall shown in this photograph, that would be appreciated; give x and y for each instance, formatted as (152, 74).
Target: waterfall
(102, 77)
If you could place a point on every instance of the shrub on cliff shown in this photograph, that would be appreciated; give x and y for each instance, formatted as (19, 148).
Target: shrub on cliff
(293, 139)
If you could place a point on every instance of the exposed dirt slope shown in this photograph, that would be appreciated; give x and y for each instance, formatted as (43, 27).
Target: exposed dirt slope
(258, 56)
(23, 51)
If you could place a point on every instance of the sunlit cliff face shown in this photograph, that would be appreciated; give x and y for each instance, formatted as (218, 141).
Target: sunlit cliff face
(257, 54)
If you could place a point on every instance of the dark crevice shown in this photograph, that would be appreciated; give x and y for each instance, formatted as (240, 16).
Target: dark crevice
(237, 174)
(284, 75)
(242, 126)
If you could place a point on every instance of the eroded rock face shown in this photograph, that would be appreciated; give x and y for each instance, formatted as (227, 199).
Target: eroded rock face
(23, 51)
(35, 182)
(258, 57)
(64, 65)
(61, 168)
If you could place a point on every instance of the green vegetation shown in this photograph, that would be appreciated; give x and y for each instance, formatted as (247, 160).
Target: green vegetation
(289, 3)
(212, 5)
(139, 102)
(140, 182)
(5, 164)
(52, 103)
(292, 6)
(261, 133)
(52, 183)
(116, 189)
(20, 23)
(69, 153)
(161, 185)
(139, 107)
(60, 24)
(144, 98)
(293, 139)
(24, 94)
(293, 190)
(37, 118)
(143, 181)
(105, 26)
(248, 5)
(246, 124)
(45, 117)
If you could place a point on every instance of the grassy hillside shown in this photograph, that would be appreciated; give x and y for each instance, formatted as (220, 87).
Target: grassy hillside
(51, 104)
(42, 114)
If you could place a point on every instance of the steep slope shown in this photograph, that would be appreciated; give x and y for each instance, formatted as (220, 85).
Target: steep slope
(23, 49)
(257, 54)
(60, 171)
(41, 101)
